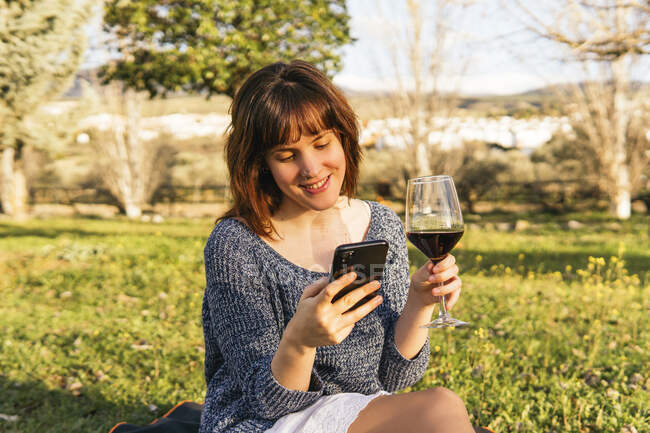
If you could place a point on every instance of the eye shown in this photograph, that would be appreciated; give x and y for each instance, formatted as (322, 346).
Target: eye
(322, 146)
(287, 159)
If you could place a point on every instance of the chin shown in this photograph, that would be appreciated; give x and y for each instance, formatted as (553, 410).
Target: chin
(320, 203)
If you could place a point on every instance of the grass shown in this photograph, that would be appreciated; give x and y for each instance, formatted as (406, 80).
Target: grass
(100, 323)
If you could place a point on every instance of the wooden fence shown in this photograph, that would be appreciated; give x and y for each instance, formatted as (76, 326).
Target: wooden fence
(564, 192)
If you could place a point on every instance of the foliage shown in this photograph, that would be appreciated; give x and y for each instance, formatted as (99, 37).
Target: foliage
(101, 323)
(570, 156)
(212, 46)
(565, 156)
(41, 48)
(478, 172)
(199, 169)
(386, 170)
(479, 169)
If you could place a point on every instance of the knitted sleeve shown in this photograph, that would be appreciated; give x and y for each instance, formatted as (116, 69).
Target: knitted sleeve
(395, 371)
(245, 327)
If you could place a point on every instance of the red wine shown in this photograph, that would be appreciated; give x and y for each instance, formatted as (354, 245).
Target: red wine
(435, 244)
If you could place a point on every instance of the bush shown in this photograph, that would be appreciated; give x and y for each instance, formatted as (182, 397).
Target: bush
(384, 173)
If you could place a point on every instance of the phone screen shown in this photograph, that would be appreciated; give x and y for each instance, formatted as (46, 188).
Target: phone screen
(367, 259)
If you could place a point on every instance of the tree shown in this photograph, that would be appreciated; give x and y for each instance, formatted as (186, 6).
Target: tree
(609, 37)
(41, 47)
(130, 166)
(424, 60)
(211, 46)
(478, 173)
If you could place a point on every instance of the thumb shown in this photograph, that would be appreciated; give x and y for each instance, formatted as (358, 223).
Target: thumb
(314, 288)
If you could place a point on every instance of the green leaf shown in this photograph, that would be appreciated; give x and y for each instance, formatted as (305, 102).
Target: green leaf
(235, 38)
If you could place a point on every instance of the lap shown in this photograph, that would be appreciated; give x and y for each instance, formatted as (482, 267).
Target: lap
(430, 409)
(330, 414)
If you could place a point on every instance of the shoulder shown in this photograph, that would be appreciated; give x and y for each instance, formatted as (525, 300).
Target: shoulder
(384, 214)
(230, 235)
(233, 253)
(388, 225)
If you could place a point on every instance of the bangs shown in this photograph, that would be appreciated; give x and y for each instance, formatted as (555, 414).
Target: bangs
(293, 111)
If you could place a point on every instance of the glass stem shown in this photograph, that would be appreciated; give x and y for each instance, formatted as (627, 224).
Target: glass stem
(443, 308)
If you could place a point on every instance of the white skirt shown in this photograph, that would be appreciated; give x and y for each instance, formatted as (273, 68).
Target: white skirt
(330, 414)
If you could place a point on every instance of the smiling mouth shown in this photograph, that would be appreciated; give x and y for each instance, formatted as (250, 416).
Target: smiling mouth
(316, 185)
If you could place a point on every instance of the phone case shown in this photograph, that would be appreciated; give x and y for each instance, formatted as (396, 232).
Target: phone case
(367, 259)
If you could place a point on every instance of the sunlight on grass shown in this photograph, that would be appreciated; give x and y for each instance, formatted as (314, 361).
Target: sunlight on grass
(101, 323)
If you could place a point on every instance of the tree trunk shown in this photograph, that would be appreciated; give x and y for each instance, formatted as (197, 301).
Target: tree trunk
(470, 204)
(423, 167)
(14, 185)
(621, 199)
(620, 190)
(132, 210)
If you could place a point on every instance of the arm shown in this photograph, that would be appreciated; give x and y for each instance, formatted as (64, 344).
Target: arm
(409, 337)
(243, 326)
(293, 363)
(404, 365)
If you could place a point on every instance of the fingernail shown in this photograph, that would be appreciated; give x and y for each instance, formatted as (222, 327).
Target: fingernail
(436, 292)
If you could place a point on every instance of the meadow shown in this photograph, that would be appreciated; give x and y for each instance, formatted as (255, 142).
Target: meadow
(100, 323)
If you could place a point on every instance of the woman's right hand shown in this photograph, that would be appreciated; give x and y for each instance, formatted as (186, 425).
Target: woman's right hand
(319, 322)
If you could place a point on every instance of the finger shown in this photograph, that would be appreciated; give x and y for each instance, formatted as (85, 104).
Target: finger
(335, 286)
(453, 297)
(445, 263)
(350, 299)
(449, 286)
(360, 312)
(314, 288)
(444, 275)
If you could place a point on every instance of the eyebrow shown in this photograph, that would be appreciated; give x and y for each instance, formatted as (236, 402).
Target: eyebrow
(288, 147)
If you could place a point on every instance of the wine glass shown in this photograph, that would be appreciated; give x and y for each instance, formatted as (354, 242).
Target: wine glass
(434, 224)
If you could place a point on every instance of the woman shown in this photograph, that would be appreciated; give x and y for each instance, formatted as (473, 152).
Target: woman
(280, 356)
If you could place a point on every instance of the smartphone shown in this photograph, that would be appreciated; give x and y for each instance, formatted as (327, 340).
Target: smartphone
(366, 258)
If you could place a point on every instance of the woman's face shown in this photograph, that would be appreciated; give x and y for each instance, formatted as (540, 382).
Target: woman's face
(309, 172)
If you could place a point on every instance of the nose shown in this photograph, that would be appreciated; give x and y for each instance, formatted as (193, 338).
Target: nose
(311, 166)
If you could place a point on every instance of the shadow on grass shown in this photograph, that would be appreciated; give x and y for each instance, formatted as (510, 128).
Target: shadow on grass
(43, 231)
(44, 410)
(8, 230)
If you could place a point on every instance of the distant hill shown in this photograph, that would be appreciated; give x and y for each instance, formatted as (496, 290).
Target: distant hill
(375, 104)
(536, 102)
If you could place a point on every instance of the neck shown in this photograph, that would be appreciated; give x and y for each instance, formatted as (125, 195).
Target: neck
(301, 218)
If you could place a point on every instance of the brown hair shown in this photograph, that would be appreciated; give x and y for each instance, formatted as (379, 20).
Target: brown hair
(275, 106)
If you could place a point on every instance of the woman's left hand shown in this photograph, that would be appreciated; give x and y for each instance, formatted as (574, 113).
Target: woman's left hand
(430, 282)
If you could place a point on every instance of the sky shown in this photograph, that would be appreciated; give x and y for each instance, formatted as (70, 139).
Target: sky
(487, 52)
(483, 52)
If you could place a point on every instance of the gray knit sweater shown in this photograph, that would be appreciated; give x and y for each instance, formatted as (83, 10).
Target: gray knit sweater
(251, 294)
